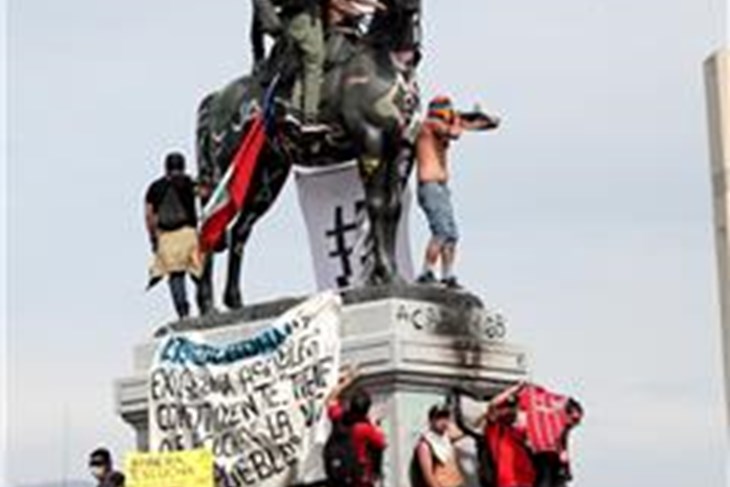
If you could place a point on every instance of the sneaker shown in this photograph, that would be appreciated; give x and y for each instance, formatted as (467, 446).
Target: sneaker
(427, 278)
(451, 283)
(311, 127)
(305, 126)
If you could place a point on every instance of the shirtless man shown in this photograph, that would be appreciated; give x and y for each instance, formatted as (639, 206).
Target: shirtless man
(442, 125)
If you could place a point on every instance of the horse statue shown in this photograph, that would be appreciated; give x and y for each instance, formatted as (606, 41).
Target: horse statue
(370, 101)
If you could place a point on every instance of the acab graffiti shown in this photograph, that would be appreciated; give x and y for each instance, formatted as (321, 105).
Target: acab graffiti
(438, 320)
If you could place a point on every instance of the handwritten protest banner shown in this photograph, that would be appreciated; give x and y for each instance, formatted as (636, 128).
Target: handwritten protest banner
(257, 403)
(172, 469)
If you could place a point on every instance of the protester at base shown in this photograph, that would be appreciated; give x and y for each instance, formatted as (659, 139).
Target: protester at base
(504, 459)
(102, 469)
(436, 462)
(553, 468)
(171, 220)
(353, 453)
(505, 435)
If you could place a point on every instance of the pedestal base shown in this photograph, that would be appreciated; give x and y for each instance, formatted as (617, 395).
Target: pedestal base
(412, 345)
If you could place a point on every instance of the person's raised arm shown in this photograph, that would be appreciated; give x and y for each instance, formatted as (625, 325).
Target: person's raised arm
(346, 379)
(346, 7)
(506, 394)
(491, 412)
(371, 3)
(460, 421)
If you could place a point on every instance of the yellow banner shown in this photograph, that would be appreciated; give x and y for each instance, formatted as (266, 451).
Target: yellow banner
(192, 468)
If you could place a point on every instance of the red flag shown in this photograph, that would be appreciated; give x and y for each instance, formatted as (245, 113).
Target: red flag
(547, 419)
(230, 193)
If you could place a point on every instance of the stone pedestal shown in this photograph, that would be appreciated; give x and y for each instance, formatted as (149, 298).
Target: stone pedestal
(412, 344)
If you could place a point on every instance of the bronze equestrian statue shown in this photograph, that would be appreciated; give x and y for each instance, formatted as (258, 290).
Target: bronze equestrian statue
(370, 102)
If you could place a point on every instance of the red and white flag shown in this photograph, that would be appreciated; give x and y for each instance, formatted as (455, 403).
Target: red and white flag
(230, 193)
(547, 418)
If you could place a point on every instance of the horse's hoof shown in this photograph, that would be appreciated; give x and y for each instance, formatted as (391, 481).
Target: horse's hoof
(233, 301)
(205, 306)
(384, 277)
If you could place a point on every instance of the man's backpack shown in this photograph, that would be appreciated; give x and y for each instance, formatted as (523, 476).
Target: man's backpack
(340, 460)
(171, 213)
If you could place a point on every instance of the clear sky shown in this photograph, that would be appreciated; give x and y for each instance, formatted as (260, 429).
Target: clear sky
(587, 218)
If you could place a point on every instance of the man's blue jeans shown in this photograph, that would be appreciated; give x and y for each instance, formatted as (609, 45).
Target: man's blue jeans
(179, 294)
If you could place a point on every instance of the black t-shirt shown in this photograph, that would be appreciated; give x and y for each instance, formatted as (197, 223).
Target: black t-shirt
(114, 479)
(173, 201)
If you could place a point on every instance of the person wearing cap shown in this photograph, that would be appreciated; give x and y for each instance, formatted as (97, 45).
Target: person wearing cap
(442, 126)
(436, 463)
(171, 221)
(102, 469)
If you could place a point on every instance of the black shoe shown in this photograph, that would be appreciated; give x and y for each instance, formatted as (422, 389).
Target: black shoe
(426, 278)
(451, 283)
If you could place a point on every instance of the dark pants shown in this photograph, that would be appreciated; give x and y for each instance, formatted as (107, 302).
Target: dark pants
(179, 294)
(551, 472)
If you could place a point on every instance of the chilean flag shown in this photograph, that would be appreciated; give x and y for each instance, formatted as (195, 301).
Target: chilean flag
(230, 194)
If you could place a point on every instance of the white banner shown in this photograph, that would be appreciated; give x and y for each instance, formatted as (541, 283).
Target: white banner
(257, 403)
(333, 203)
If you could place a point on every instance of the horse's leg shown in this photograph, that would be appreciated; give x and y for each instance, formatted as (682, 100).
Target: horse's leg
(205, 287)
(206, 178)
(383, 206)
(269, 179)
(232, 297)
(393, 190)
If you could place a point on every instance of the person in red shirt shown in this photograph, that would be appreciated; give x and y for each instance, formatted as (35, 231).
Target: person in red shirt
(507, 462)
(505, 434)
(368, 439)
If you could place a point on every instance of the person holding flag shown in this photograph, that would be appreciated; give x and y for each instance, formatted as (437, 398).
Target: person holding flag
(442, 126)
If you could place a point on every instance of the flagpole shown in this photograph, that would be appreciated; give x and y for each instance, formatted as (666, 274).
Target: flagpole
(66, 444)
(717, 78)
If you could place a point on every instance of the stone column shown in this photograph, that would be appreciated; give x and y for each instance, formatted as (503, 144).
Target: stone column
(413, 345)
(717, 71)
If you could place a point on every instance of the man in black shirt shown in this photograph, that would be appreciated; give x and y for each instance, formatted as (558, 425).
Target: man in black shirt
(171, 224)
(102, 469)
